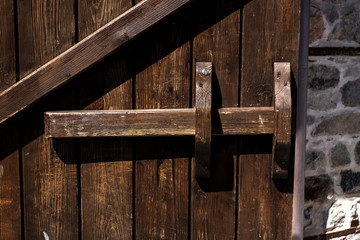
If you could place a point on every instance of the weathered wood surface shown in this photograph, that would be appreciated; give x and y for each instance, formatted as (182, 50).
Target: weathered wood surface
(161, 122)
(77, 58)
(270, 34)
(7, 46)
(155, 122)
(93, 188)
(282, 121)
(162, 166)
(203, 78)
(106, 171)
(46, 28)
(10, 210)
(217, 40)
(245, 121)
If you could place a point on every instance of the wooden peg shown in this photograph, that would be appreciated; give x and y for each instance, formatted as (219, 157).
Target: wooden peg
(203, 79)
(282, 120)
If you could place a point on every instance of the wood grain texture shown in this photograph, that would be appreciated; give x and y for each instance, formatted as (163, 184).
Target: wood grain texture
(155, 122)
(245, 121)
(217, 40)
(50, 185)
(40, 41)
(106, 164)
(7, 46)
(76, 59)
(280, 29)
(283, 123)
(162, 166)
(106, 189)
(203, 78)
(10, 212)
(161, 122)
(270, 34)
(46, 28)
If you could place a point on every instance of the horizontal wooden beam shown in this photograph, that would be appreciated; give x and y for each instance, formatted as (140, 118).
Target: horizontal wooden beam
(156, 122)
(103, 123)
(244, 121)
(84, 54)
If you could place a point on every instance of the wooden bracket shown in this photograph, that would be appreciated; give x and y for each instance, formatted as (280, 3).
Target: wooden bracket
(203, 78)
(191, 121)
(282, 120)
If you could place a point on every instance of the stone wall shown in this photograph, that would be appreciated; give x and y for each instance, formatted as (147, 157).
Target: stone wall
(335, 23)
(332, 184)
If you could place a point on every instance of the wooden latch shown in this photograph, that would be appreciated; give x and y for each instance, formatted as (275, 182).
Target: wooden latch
(191, 121)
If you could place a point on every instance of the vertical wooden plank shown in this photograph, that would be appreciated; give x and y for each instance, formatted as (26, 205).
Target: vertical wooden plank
(46, 28)
(10, 212)
(217, 40)
(7, 46)
(106, 164)
(162, 165)
(270, 34)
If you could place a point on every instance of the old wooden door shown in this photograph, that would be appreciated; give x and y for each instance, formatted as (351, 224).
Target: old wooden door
(145, 188)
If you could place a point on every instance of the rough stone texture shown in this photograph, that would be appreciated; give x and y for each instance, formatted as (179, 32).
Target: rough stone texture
(331, 14)
(307, 212)
(357, 153)
(322, 77)
(341, 124)
(351, 93)
(333, 122)
(354, 236)
(316, 24)
(318, 188)
(342, 215)
(316, 217)
(350, 181)
(310, 120)
(339, 156)
(348, 29)
(313, 159)
(333, 140)
(320, 101)
(334, 1)
(334, 23)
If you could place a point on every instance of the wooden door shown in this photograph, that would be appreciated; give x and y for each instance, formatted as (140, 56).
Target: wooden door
(145, 188)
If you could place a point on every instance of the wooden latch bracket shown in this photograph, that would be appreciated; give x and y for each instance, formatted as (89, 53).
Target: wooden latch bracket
(203, 119)
(282, 121)
(196, 121)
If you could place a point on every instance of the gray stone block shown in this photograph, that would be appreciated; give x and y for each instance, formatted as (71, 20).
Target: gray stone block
(322, 77)
(341, 124)
(339, 156)
(351, 93)
(313, 158)
(318, 188)
(350, 181)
